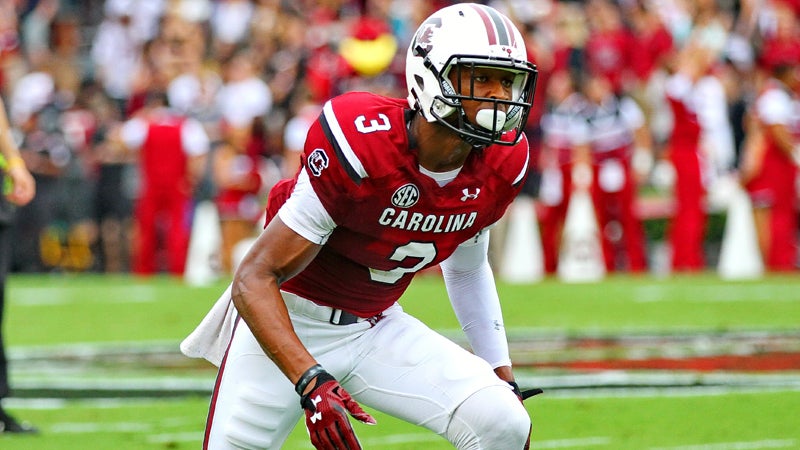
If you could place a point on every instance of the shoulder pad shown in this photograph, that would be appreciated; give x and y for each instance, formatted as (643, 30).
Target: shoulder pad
(363, 129)
(512, 162)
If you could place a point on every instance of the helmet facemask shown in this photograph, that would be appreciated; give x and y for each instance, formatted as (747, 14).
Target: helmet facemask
(491, 124)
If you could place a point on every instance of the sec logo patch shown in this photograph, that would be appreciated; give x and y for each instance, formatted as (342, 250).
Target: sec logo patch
(405, 196)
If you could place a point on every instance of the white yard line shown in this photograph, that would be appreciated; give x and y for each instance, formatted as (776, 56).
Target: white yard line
(743, 445)
(649, 392)
(94, 427)
(611, 384)
(395, 439)
(408, 438)
(719, 293)
(49, 296)
(188, 436)
(619, 383)
(593, 441)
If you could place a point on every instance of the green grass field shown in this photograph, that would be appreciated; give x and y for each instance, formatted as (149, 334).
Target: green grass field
(764, 420)
(46, 310)
(62, 313)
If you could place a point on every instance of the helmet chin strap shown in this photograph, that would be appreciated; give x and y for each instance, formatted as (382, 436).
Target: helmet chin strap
(487, 119)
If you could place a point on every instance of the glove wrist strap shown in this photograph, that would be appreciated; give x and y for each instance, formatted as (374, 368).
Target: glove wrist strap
(306, 378)
(524, 395)
(515, 387)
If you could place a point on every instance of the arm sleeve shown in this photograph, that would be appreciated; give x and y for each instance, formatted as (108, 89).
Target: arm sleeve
(473, 294)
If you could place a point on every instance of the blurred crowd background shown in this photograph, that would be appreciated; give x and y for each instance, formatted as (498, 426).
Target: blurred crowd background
(126, 109)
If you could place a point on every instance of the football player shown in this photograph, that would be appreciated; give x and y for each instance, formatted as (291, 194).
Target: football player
(388, 187)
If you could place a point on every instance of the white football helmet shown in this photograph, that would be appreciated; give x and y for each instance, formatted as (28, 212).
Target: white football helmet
(465, 36)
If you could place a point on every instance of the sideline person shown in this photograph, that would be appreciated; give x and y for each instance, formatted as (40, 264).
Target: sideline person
(171, 149)
(387, 188)
(770, 165)
(20, 191)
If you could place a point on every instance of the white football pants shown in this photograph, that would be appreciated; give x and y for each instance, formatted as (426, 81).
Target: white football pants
(399, 366)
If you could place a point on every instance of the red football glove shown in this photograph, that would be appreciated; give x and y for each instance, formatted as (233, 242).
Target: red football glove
(524, 396)
(326, 407)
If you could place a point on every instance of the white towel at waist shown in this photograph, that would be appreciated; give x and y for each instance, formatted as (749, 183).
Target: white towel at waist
(211, 337)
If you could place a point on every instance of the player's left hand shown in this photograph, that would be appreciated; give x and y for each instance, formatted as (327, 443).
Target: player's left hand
(327, 406)
(522, 396)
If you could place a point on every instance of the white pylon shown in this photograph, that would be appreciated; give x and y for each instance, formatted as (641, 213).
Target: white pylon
(522, 260)
(202, 260)
(740, 257)
(580, 256)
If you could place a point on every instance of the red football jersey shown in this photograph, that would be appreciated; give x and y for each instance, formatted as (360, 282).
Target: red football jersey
(392, 220)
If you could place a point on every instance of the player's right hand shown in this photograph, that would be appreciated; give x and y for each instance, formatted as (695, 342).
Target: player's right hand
(326, 407)
(522, 396)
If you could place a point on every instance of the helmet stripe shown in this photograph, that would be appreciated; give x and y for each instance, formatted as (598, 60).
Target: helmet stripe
(508, 28)
(496, 25)
(487, 22)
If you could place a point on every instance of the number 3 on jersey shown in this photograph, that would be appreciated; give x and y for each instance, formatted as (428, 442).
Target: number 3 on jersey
(379, 124)
(424, 251)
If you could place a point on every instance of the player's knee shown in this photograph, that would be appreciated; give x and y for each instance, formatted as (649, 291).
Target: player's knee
(492, 418)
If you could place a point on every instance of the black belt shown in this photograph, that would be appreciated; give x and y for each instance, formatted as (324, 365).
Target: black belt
(334, 316)
(342, 317)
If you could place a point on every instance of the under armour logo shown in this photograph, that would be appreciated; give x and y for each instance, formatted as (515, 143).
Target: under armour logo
(317, 415)
(468, 196)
